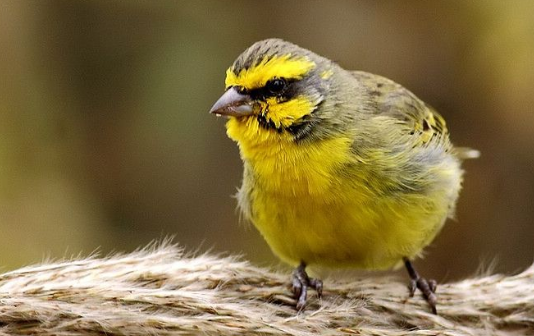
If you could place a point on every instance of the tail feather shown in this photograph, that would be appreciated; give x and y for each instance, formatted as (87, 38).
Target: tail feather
(465, 153)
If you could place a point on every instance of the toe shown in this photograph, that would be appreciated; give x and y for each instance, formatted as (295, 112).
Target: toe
(297, 288)
(301, 300)
(433, 285)
(318, 286)
(428, 288)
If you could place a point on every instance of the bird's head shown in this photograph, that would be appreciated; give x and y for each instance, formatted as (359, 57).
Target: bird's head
(273, 90)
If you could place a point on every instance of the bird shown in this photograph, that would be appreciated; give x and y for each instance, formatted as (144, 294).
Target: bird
(342, 169)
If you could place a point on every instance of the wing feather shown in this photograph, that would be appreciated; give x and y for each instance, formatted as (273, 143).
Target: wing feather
(395, 101)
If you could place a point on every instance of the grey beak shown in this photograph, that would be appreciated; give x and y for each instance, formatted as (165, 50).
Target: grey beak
(233, 103)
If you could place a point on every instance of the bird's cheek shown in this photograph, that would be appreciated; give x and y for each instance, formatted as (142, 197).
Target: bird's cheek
(284, 114)
(272, 111)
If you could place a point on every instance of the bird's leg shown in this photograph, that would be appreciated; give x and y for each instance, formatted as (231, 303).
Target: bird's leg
(427, 287)
(301, 282)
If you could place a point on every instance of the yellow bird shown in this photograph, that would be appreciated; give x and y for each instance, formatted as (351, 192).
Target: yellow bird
(341, 168)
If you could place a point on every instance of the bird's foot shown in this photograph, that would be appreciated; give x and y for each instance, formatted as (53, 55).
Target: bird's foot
(427, 287)
(301, 282)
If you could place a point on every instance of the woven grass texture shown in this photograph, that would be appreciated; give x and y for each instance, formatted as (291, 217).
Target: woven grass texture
(161, 290)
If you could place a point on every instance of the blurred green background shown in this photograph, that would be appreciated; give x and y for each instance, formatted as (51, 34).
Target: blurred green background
(106, 142)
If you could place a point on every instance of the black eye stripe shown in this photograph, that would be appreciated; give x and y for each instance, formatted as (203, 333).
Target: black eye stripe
(282, 89)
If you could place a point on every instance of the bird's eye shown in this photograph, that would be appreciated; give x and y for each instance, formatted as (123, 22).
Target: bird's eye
(276, 86)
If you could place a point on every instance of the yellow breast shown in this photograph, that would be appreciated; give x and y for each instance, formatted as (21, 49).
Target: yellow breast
(285, 167)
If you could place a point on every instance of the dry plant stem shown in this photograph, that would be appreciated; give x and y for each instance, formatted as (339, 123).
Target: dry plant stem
(161, 291)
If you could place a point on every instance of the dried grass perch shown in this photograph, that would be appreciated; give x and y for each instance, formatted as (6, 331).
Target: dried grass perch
(162, 291)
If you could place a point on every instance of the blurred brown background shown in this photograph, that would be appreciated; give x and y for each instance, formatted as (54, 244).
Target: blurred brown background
(106, 141)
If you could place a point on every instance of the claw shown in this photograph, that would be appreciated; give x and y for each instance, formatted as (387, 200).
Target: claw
(412, 286)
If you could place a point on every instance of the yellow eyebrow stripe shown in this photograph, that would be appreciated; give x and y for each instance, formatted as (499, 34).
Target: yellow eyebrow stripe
(277, 66)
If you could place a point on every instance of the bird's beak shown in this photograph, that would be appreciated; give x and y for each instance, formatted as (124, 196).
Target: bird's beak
(234, 104)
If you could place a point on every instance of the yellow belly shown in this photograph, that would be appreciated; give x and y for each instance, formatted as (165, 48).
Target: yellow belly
(374, 235)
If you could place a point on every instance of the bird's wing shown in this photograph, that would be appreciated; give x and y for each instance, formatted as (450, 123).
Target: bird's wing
(395, 101)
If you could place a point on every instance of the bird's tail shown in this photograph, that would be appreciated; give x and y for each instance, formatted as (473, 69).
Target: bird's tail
(465, 153)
